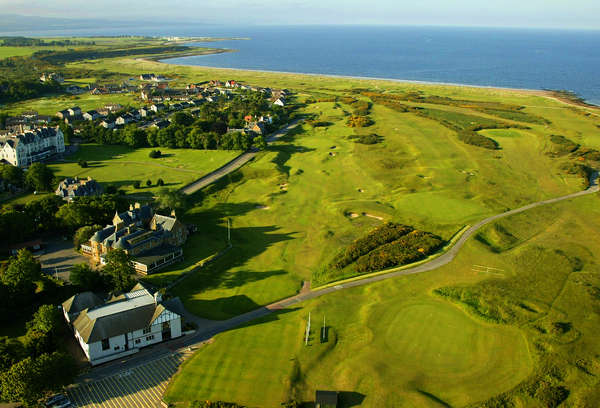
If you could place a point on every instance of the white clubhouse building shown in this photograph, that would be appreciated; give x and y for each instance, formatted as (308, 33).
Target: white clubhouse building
(122, 325)
(23, 149)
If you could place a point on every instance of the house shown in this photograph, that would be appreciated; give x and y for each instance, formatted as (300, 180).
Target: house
(70, 188)
(157, 107)
(146, 77)
(258, 128)
(266, 119)
(63, 114)
(161, 124)
(74, 111)
(215, 83)
(125, 119)
(78, 303)
(162, 85)
(326, 399)
(23, 149)
(145, 112)
(176, 106)
(122, 325)
(248, 118)
(108, 125)
(99, 91)
(113, 107)
(230, 84)
(52, 77)
(74, 90)
(91, 115)
(153, 240)
(279, 101)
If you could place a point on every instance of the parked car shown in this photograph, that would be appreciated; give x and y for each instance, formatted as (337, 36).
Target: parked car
(59, 401)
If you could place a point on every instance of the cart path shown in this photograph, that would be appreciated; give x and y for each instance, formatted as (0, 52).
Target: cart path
(234, 164)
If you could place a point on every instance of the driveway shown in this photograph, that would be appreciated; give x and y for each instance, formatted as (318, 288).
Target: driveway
(59, 257)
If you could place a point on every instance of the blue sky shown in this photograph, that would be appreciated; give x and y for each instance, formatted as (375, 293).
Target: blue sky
(502, 13)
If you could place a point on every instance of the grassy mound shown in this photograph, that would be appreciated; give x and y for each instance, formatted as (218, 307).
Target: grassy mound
(386, 246)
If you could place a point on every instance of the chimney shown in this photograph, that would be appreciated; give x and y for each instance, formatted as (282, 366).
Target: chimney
(130, 207)
(138, 206)
(173, 214)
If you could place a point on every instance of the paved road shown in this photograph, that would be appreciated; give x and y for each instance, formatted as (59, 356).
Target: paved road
(234, 164)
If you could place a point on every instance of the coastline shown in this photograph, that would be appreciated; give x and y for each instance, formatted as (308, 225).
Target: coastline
(552, 94)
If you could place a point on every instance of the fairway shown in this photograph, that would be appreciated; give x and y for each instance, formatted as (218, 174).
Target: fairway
(121, 166)
(429, 347)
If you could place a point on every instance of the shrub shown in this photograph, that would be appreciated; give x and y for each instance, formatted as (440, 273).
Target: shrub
(110, 189)
(82, 163)
(367, 139)
(149, 183)
(155, 154)
(359, 121)
(160, 182)
(136, 184)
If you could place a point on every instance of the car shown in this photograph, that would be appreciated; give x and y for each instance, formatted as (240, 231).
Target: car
(58, 401)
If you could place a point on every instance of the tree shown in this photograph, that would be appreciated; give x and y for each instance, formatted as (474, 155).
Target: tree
(172, 199)
(85, 277)
(182, 119)
(11, 351)
(39, 177)
(28, 380)
(155, 154)
(43, 331)
(22, 272)
(149, 183)
(83, 235)
(47, 319)
(134, 136)
(120, 269)
(259, 143)
(136, 184)
(13, 175)
(21, 383)
(160, 182)
(82, 163)
(68, 132)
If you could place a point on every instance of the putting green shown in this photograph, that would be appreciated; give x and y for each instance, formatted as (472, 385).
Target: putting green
(451, 354)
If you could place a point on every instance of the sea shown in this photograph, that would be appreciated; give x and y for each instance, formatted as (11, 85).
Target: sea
(494, 57)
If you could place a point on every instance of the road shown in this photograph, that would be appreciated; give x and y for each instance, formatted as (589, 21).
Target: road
(234, 164)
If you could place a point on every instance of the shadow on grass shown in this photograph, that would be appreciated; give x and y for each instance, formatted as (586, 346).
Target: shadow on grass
(350, 399)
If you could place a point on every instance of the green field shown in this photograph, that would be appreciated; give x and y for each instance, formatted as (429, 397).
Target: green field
(121, 166)
(304, 198)
(396, 343)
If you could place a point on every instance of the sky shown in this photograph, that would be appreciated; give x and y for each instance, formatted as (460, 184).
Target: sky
(573, 14)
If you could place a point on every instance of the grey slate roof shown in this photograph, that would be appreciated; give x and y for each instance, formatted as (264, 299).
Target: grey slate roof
(124, 314)
(81, 301)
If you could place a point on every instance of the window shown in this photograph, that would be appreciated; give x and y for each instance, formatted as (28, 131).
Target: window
(147, 330)
(105, 344)
(137, 341)
(166, 326)
(116, 347)
(148, 338)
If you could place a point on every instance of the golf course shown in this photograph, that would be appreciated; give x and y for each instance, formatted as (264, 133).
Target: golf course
(511, 321)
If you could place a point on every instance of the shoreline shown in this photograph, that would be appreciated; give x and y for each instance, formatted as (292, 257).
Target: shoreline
(553, 94)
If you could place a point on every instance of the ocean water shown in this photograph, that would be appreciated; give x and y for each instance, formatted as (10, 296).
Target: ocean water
(514, 58)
